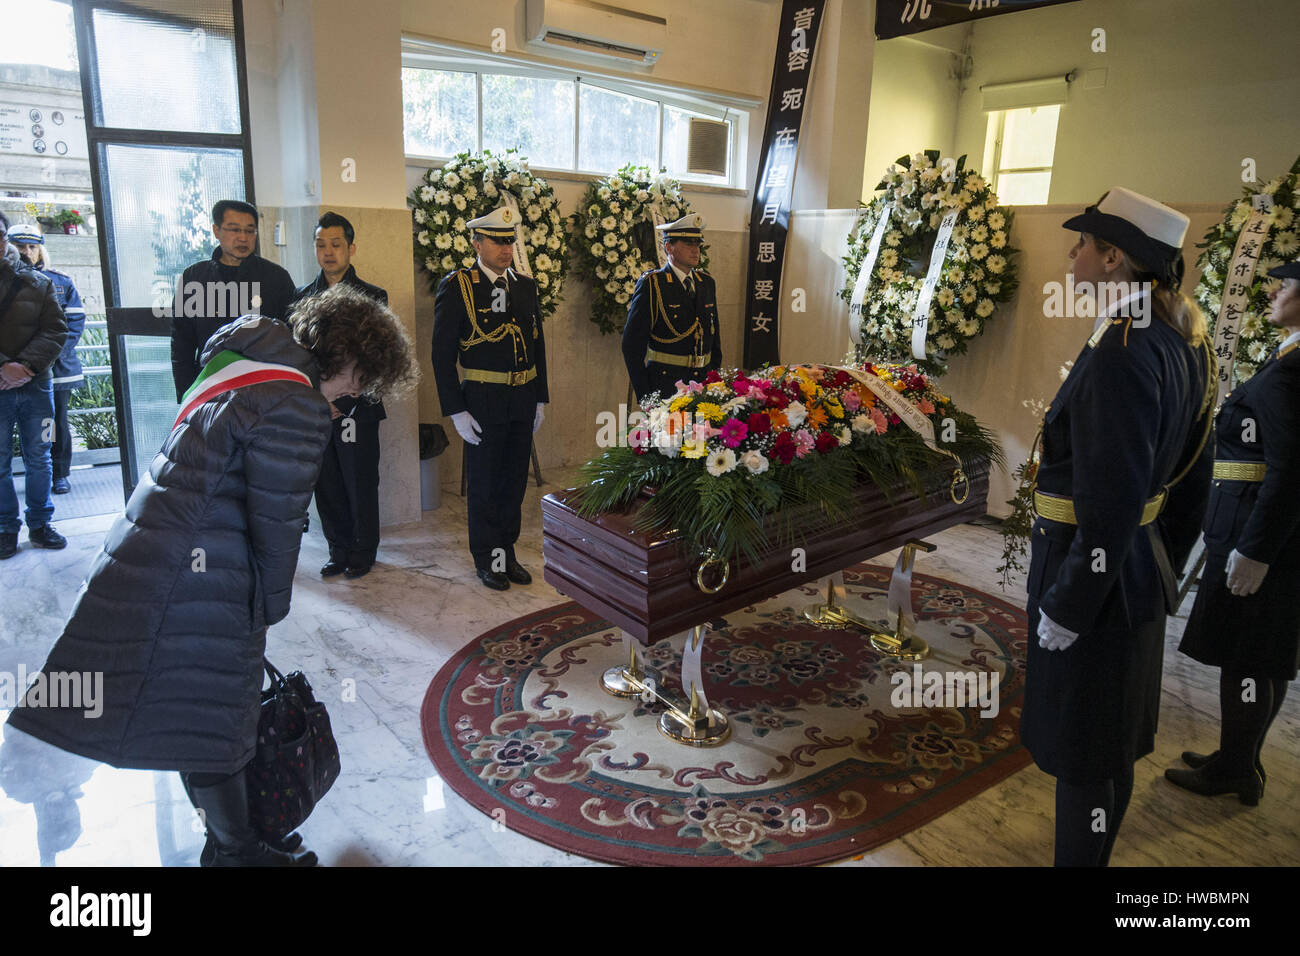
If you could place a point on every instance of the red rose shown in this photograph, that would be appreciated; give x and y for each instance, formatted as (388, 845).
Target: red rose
(759, 423)
(712, 377)
(784, 448)
(841, 379)
(894, 419)
(776, 399)
(825, 442)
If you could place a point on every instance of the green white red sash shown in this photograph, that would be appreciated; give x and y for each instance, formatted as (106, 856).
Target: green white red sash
(228, 371)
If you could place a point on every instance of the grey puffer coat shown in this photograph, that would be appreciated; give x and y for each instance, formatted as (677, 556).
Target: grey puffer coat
(177, 632)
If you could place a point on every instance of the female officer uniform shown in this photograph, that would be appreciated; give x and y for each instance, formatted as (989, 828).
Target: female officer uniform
(1119, 496)
(1247, 626)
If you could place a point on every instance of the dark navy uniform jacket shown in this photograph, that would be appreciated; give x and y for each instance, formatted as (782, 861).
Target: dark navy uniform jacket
(661, 316)
(1130, 415)
(1257, 634)
(466, 328)
(361, 409)
(67, 374)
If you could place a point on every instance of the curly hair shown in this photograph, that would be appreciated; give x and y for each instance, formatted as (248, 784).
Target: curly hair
(343, 325)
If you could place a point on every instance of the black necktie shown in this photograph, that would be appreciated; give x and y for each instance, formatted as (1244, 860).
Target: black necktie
(501, 284)
(689, 282)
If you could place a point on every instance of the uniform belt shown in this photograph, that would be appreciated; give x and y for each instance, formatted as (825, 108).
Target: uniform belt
(685, 361)
(1061, 509)
(501, 378)
(1239, 470)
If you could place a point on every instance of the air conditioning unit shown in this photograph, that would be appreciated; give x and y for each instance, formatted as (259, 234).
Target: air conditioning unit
(596, 29)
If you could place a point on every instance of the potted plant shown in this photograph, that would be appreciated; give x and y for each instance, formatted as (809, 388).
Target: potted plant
(70, 220)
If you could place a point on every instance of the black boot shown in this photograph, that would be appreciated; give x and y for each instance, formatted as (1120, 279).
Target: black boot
(232, 841)
(1197, 761)
(1204, 781)
(285, 844)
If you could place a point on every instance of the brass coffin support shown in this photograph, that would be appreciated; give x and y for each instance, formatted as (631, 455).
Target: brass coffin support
(900, 644)
(694, 722)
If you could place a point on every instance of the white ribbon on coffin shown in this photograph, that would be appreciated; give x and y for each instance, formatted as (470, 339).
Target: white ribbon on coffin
(921, 315)
(900, 591)
(857, 306)
(1236, 287)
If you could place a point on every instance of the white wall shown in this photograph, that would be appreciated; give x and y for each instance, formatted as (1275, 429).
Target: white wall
(1192, 88)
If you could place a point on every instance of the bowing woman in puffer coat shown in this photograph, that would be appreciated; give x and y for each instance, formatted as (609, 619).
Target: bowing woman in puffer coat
(176, 607)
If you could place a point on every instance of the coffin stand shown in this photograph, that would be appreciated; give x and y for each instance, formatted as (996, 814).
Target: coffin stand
(649, 587)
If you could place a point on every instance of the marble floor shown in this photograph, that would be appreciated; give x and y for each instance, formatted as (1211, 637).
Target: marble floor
(390, 631)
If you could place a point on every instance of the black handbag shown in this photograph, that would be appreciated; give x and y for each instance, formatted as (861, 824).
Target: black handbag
(297, 757)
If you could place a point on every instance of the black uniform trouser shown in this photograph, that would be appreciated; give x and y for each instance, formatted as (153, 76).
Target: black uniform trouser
(497, 473)
(61, 449)
(347, 494)
(664, 378)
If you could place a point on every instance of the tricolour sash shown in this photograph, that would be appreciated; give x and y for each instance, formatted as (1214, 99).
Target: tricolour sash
(228, 371)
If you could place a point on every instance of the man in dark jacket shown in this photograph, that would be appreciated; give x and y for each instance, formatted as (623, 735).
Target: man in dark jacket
(672, 321)
(32, 333)
(347, 492)
(488, 318)
(234, 282)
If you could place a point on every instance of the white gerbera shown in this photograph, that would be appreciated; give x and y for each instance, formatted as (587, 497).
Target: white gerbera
(983, 310)
(720, 462)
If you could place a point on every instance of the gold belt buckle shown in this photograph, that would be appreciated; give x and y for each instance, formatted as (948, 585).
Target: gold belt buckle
(516, 378)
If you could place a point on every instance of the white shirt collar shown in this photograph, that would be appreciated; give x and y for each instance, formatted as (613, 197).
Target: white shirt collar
(1119, 307)
(1293, 337)
(491, 276)
(681, 276)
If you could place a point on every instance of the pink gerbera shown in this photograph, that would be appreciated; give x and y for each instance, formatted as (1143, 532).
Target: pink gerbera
(733, 432)
(879, 420)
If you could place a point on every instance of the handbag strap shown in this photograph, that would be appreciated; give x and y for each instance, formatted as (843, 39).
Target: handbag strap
(277, 679)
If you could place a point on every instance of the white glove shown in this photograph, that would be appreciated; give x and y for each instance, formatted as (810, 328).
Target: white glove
(537, 420)
(1052, 636)
(467, 428)
(1245, 575)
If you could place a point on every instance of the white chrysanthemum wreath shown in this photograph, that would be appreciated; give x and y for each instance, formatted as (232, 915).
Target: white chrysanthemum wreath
(614, 237)
(472, 186)
(1256, 336)
(979, 269)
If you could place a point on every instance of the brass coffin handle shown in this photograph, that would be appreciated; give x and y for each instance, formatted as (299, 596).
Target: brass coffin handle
(711, 558)
(959, 478)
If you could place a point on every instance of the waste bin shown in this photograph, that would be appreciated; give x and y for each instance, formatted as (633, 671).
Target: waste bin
(433, 442)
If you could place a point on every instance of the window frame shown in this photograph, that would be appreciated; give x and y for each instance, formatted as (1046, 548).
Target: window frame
(996, 135)
(735, 110)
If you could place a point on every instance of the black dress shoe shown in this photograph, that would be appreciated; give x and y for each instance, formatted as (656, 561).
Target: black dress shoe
(46, 537)
(333, 568)
(1248, 789)
(357, 571)
(517, 573)
(61, 486)
(1197, 761)
(8, 545)
(494, 580)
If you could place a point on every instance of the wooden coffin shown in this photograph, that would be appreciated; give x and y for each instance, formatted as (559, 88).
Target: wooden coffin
(645, 584)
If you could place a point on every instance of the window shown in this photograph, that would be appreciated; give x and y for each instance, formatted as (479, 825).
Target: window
(456, 101)
(1019, 148)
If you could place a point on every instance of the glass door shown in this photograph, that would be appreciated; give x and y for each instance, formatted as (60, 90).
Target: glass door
(166, 100)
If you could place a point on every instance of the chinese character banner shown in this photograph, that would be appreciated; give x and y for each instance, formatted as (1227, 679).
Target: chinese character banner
(896, 18)
(770, 218)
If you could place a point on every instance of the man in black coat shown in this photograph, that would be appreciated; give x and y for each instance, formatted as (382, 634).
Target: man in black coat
(1120, 494)
(32, 333)
(347, 492)
(489, 318)
(235, 281)
(672, 321)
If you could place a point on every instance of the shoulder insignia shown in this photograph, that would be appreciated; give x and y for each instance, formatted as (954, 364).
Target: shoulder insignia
(473, 276)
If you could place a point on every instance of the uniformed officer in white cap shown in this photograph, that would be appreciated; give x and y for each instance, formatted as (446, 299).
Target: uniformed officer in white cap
(489, 318)
(672, 320)
(1121, 490)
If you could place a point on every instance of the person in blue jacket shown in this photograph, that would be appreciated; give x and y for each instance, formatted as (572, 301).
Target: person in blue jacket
(67, 374)
(1121, 489)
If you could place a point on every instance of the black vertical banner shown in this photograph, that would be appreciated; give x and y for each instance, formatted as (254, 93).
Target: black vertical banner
(770, 218)
(896, 18)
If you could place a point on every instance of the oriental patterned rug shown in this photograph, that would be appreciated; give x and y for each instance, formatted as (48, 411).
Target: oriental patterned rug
(835, 749)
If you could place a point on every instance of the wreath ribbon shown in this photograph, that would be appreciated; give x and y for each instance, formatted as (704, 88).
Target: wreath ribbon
(921, 315)
(521, 252)
(1237, 282)
(857, 313)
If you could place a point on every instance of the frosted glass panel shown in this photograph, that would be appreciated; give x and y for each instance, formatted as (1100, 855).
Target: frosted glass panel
(677, 129)
(440, 112)
(1023, 189)
(152, 395)
(1029, 137)
(532, 115)
(193, 48)
(615, 129)
(162, 200)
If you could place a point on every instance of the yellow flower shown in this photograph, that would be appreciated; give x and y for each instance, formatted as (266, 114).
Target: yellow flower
(718, 388)
(692, 448)
(709, 410)
(832, 405)
(680, 402)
